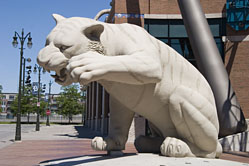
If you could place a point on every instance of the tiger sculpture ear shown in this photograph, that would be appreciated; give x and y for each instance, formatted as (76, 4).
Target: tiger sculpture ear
(58, 18)
(93, 32)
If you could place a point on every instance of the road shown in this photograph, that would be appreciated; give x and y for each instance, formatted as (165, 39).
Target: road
(7, 132)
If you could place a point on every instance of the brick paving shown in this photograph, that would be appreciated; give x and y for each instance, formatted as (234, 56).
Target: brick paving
(33, 152)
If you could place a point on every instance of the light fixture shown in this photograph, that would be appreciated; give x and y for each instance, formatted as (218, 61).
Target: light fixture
(29, 44)
(35, 69)
(15, 43)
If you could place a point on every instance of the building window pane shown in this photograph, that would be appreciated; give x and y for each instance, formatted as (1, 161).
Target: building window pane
(11, 97)
(183, 47)
(220, 46)
(146, 25)
(164, 40)
(176, 44)
(158, 28)
(177, 29)
(215, 29)
(215, 26)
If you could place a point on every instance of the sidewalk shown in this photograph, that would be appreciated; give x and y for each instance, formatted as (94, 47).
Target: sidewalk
(67, 142)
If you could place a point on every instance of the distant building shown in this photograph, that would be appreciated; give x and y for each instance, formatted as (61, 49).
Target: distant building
(7, 100)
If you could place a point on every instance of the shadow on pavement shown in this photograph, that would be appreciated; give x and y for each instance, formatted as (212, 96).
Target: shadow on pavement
(81, 160)
(83, 132)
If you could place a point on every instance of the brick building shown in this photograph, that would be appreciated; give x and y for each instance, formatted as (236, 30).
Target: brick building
(228, 20)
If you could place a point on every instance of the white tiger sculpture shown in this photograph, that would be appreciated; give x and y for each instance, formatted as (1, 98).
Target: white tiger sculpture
(142, 75)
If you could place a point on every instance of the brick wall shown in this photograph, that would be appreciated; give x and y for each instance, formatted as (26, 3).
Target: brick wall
(237, 65)
(163, 6)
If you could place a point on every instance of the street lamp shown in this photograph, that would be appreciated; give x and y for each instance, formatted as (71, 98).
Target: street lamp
(22, 38)
(49, 106)
(24, 65)
(37, 67)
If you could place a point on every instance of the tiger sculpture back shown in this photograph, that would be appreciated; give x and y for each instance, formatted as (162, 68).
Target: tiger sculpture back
(142, 75)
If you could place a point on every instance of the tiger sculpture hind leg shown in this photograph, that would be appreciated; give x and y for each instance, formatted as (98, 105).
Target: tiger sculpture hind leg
(189, 110)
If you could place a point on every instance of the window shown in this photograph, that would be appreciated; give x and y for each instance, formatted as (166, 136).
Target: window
(157, 28)
(177, 29)
(9, 102)
(182, 46)
(11, 97)
(173, 33)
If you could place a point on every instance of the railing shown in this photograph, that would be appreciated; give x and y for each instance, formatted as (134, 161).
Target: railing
(52, 119)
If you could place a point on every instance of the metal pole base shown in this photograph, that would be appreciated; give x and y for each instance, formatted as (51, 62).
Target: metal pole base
(37, 127)
(47, 123)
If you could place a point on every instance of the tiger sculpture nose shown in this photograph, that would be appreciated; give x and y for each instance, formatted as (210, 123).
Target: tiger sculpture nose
(51, 59)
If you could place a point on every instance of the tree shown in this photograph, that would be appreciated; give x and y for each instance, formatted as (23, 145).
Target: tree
(69, 101)
(28, 104)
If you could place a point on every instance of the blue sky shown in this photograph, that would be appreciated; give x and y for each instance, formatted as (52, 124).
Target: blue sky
(35, 17)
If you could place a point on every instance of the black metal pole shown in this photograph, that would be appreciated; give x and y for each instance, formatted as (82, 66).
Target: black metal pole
(37, 128)
(23, 78)
(49, 107)
(18, 115)
(47, 123)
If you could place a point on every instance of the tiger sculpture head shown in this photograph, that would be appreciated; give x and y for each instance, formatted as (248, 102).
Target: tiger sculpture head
(70, 37)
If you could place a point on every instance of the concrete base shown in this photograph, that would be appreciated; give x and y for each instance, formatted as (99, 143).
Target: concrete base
(140, 159)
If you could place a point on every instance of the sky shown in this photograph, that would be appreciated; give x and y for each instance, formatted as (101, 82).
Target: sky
(35, 16)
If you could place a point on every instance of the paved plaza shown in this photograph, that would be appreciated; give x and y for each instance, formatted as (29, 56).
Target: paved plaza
(7, 133)
(69, 145)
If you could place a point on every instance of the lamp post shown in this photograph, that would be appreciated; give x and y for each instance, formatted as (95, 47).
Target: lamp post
(49, 107)
(37, 128)
(22, 38)
(23, 78)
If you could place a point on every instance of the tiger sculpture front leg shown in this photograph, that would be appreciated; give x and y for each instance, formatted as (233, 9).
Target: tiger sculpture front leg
(92, 66)
(120, 121)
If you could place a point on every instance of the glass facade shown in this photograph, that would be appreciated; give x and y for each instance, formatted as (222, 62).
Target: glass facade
(173, 33)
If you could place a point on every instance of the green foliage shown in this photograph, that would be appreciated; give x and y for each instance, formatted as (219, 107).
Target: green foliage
(69, 101)
(28, 104)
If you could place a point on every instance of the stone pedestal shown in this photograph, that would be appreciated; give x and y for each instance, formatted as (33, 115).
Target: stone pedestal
(141, 159)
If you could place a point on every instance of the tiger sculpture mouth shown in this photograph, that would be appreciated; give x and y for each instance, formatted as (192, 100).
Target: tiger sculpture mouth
(61, 76)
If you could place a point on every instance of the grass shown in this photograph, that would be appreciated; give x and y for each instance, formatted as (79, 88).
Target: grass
(7, 122)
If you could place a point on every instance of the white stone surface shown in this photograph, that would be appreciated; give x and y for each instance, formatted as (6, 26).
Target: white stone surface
(142, 75)
(141, 160)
